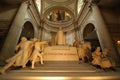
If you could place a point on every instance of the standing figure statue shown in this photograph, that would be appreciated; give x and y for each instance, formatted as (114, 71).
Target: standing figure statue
(25, 47)
(76, 42)
(81, 53)
(96, 57)
(37, 53)
(87, 49)
(84, 51)
(23, 51)
(60, 37)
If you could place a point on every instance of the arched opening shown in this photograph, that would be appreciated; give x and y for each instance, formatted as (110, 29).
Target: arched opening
(89, 34)
(28, 30)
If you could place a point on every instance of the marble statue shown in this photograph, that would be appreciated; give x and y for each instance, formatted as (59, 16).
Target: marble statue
(60, 37)
(101, 59)
(87, 49)
(106, 61)
(96, 57)
(37, 52)
(76, 42)
(84, 51)
(81, 53)
(23, 51)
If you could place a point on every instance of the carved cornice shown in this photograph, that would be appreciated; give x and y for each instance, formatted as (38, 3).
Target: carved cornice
(55, 29)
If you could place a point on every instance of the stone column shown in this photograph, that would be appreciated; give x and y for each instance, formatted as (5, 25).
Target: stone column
(76, 29)
(52, 38)
(41, 30)
(103, 34)
(14, 32)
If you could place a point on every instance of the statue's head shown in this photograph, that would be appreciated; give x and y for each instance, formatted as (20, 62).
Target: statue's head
(98, 49)
(34, 39)
(23, 38)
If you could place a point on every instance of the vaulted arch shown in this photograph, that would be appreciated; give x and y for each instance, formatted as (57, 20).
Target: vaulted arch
(89, 34)
(27, 30)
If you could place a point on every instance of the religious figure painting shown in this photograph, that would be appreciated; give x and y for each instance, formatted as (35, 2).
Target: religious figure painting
(59, 16)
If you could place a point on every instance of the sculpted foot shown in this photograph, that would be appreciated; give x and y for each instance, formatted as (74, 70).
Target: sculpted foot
(2, 71)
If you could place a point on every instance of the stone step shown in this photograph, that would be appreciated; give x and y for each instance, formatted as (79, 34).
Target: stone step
(63, 64)
(59, 66)
(60, 70)
(68, 69)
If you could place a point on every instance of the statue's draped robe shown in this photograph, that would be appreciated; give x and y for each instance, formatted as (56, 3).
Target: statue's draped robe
(60, 38)
(25, 52)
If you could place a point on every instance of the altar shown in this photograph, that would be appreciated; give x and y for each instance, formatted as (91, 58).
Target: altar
(60, 53)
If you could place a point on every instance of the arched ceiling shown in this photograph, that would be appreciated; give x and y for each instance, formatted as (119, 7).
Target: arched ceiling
(68, 6)
(71, 5)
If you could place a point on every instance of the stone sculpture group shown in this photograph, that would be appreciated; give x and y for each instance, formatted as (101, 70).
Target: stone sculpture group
(32, 50)
(26, 50)
(102, 59)
(96, 58)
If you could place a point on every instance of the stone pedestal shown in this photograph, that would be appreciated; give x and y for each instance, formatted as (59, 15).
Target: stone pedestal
(60, 53)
